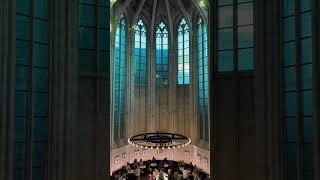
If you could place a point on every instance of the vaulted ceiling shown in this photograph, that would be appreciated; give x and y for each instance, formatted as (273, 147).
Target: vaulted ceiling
(167, 9)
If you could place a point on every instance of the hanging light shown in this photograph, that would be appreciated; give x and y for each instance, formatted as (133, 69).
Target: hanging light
(159, 140)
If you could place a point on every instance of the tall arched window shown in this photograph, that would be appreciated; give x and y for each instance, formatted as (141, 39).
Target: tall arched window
(297, 64)
(31, 122)
(162, 36)
(183, 53)
(119, 90)
(140, 52)
(203, 79)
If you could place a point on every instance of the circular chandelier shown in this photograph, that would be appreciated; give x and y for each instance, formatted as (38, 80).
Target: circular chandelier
(159, 140)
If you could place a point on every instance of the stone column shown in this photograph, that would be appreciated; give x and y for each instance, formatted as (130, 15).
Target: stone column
(194, 80)
(130, 125)
(173, 119)
(7, 85)
(267, 91)
(212, 64)
(63, 61)
(152, 82)
(316, 86)
(172, 81)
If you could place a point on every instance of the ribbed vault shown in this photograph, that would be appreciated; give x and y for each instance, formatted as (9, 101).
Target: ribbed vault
(155, 9)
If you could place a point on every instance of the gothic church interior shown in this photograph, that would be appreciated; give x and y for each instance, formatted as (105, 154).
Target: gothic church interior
(159, 89)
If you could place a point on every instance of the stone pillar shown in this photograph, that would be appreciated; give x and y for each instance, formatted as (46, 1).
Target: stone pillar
(267, 91)
(130, 125)
(152, 87)
(194, 80)
(316, 86)
(63, 59)
(212, 64)
(7, 85)
(173, 64)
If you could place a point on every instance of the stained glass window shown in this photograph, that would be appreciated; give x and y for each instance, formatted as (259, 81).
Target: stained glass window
(162, 67)
(183, 53)
(119, 90)
(203, 100)
(140, 52)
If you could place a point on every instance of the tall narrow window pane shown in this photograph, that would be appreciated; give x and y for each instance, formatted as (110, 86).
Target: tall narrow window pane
(119, 80)
(297, 86)
(162, 36)
(140, 50)
(202, 52)
(235, 35)
(183, 53)
(32, 90)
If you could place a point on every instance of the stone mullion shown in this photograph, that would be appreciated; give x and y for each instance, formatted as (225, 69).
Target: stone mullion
(316, 85)
(146, 106)
(128, 82)
(139, 69)
(195, 84)
(7, 88)
(56, 155)
(299, 93)
(71, 83)
(132, 108)
(112, 45)
(2, 88)
(29, 124)
(172, 84)
(212, 39)
(275, 136)
(152, 93)
(173, 64)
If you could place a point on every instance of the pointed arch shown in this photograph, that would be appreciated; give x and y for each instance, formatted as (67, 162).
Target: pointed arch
(203, 94)
(162, 54)
(119, 83)
(183, 53)
(140, 53)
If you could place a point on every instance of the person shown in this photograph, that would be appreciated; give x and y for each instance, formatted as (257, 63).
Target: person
(153, 159)
(183, 163)
(191, 166)
(161, 164)
(135, 163)
(170, 175)
(123, 170)
(185, 173)
(195, 174)
(116, 176)
(140, 162)
(156, 173)
(151, 176)
(175, 175)
(137, 173)
(122, 177)
(128, 168)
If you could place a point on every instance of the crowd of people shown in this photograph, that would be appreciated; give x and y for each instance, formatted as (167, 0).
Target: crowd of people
(160, 170)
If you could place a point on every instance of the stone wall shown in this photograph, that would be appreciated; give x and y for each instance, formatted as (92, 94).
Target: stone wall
(198, 156)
